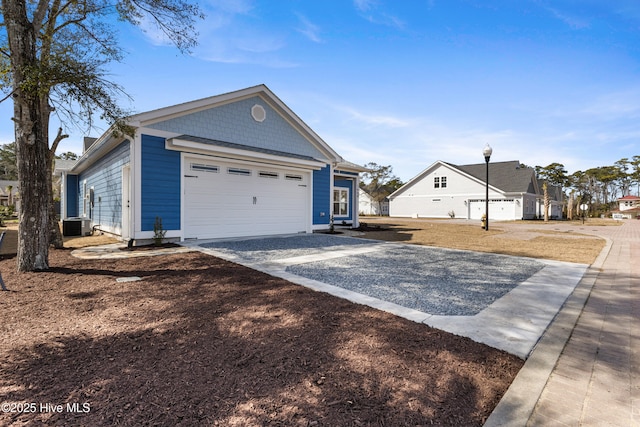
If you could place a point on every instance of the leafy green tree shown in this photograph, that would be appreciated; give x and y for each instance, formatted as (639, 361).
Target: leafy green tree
(577, 182)
(554, 174)
(54, 57)
(379, 181)
(8, 164)
(624, 177)
(608, 177)
(69, 155)
(635, 173)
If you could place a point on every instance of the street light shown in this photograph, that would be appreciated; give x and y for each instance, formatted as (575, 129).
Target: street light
(487, 155)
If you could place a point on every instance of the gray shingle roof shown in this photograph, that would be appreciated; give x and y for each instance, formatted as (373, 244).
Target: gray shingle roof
(61, 164)
(509, 177)
(243, 147)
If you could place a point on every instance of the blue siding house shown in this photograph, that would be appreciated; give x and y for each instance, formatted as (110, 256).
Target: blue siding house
(232, 165)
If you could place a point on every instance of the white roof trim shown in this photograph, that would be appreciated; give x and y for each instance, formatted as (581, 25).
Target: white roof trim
(102, 145)
(161, 114)
(421, 175)
(240, 154)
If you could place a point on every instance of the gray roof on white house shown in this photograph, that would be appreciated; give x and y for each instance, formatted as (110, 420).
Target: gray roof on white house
(510, 177)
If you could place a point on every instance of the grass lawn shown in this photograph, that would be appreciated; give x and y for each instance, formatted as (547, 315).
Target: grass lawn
(561, 241)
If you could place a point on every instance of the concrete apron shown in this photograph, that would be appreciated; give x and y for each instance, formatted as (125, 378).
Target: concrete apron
(513, 323)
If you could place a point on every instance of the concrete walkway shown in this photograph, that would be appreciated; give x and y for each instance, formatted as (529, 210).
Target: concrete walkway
(118, 251)
(585, 370)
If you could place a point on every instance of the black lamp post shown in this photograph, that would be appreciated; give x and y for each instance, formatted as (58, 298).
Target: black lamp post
(487, 155)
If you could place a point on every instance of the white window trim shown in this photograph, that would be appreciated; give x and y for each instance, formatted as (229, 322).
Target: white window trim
(85, 198)
(346, 190)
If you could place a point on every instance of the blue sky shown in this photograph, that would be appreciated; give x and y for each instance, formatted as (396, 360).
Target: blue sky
(406, 83)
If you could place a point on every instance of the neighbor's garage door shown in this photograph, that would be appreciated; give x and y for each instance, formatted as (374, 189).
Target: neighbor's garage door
(499, 209)
(224, 199)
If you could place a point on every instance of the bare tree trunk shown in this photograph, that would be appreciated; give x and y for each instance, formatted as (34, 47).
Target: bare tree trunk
(545, 190)
(35, 188)
(55, 235)
(570, 207)
(31, 140)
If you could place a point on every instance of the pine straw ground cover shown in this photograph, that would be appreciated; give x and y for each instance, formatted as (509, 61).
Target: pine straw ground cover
(200, 342)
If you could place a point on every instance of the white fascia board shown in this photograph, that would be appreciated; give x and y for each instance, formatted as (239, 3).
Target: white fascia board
(416, 178)
(189, 107)
(421, 175)
(102, 144)
(162, 114)
(239, 154)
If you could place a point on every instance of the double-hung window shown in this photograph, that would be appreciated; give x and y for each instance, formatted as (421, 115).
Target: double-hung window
(341, 202)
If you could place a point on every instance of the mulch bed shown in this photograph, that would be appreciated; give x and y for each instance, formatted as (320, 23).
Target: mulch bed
(151, 247)
(201, 341)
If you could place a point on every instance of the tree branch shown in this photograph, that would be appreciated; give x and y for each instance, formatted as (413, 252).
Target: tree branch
(8, 96)
(59, 137)
(39, 15)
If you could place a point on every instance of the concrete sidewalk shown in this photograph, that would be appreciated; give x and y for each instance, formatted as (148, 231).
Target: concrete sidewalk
(585, 370)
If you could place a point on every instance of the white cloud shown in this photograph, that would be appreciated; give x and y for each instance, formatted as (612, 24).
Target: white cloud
(369, 119)
(232, 34)
(376, 120)
(364, 5)
(218, 14)
(308, 29)
(369, 10)
(569, 18)
(233, 6)
(616, 105)
(153, 33)
(573, 21)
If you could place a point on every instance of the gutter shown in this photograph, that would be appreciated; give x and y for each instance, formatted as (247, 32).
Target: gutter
(104, 143)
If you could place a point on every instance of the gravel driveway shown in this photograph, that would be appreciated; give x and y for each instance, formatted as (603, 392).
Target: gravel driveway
(503, 301)
(432, 280)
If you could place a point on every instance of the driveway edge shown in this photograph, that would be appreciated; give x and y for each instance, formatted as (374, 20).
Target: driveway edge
(518, 403)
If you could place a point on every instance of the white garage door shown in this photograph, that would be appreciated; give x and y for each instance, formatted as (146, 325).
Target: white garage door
(499, 209)
(224, 199)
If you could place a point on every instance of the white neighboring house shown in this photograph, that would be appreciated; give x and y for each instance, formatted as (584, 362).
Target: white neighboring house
(445, 190)
(368, 206)
(628, 208)
(628, 203)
